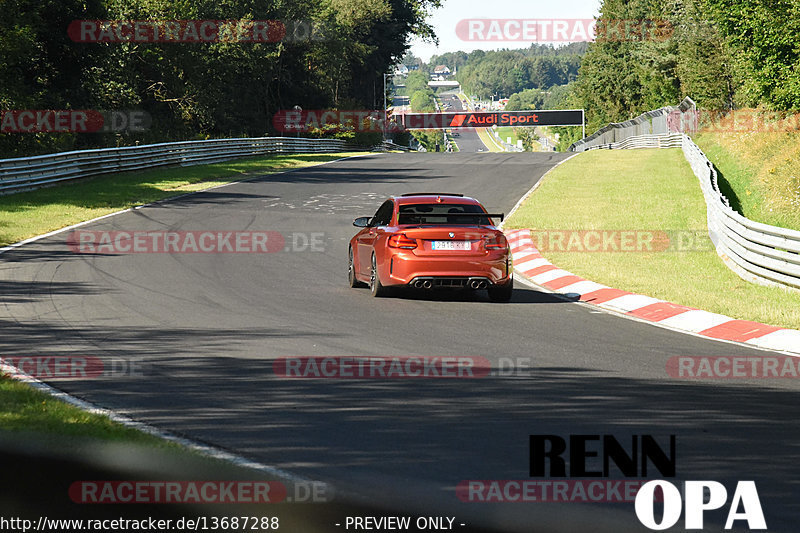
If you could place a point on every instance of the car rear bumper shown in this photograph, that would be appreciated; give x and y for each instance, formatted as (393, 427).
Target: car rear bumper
(433, 282)
(407, 269)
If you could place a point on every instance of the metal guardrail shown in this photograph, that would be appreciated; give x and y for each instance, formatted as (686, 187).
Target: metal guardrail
(389, 145)
(670, 140)
(547, 144)
(33, 172)
(670, 119)
(506, 146)
(757, 252)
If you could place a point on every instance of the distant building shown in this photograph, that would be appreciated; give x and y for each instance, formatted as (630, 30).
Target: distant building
(441, 70)
(400, 70)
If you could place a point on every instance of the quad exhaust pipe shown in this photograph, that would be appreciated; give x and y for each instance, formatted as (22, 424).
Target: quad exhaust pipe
(475, 284)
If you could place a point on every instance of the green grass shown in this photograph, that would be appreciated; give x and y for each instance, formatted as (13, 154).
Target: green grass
(647, 190)
(25, 409)
(505, 132)
(25, 215)
(488, 140)
(28, 214)
(759, 171)
(454, 142)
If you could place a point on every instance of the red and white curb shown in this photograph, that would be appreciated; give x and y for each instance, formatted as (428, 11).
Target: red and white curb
(530, 263)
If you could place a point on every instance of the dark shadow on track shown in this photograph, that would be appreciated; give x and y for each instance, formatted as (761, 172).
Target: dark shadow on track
(396, 430)
(520, 295)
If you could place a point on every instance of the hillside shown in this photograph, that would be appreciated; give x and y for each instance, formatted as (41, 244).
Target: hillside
(759, 169)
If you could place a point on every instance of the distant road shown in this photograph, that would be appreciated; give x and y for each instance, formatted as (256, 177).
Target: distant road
(468, 139)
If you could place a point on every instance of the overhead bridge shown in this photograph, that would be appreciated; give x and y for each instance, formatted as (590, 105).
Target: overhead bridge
(443, 84)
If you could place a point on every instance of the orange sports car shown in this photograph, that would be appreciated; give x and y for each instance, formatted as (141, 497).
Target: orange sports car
(431, 240)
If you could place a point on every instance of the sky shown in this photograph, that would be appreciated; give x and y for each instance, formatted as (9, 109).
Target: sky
(445, 19)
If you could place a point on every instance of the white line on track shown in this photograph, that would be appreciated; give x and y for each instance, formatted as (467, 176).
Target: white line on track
(205, 449)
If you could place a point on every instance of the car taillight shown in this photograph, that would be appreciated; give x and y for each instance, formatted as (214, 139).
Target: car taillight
(401, 241)
(496, 242)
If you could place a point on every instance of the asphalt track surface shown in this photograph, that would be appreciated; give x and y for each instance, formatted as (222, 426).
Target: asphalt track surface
(206, 328)
(468, 139)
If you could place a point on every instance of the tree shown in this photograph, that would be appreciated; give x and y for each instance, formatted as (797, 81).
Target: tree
(527, 99)
(764, 41)
(225, 88)
(506, 72)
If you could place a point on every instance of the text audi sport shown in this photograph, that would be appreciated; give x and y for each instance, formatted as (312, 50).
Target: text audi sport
(431, 240)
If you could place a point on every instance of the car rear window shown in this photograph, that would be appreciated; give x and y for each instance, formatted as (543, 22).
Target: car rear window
(442, 214)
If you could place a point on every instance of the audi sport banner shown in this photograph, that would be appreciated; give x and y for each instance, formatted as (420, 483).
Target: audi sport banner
(483, 119)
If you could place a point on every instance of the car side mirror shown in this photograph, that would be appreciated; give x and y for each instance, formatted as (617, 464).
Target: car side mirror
(361, 222)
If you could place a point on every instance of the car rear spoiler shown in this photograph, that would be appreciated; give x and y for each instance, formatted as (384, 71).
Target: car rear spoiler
(432, 194)
(501, 216)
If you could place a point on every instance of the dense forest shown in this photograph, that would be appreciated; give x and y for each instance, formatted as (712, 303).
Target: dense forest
(725, 54)
(541, 69)
(228, 87)
(505, 72)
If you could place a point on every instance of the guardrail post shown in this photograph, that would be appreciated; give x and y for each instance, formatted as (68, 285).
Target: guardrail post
(34, 172)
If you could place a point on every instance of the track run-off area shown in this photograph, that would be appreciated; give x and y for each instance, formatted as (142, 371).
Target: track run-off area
(204, 329)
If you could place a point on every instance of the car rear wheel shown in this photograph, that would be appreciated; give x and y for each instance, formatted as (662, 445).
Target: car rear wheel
(501, 293)
(351, 272)
(375, 286)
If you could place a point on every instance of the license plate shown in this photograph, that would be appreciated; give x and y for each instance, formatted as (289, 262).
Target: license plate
(451, 245)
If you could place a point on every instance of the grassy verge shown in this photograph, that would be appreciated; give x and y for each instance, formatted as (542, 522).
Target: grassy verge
(453, 141)
(488, 140)
(549, 133)
(32, 213)
(505, 132)
(647, 190)
(25, 215)
(759, 171)
(26, 409)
